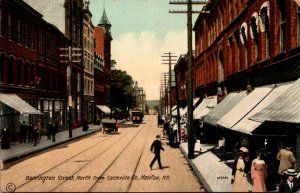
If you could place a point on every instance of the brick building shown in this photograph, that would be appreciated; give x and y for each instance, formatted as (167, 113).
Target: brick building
(67, 16)
(247, 53)
(30, 67)
(102, 68)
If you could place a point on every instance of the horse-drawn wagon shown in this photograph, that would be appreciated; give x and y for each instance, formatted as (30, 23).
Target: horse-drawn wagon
(109, 126)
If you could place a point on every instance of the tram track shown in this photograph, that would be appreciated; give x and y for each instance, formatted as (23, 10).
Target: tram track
(74, 156)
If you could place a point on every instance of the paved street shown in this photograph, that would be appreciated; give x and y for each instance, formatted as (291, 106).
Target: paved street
(104, 163)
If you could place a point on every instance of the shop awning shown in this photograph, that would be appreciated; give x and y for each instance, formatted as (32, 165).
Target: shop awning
(181, 112)
(286, 108)
(15, 102)
(204, 107)
(105, 109)
(238, 118)
(228, 103)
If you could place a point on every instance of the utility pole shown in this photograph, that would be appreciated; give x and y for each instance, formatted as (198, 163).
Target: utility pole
(169, 61)
(70, 55)
(191, 137)
(163, 83)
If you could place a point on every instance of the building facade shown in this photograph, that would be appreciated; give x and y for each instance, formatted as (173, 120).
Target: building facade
(67, 16)
(88, 62)
(30, 67)
(102, 68)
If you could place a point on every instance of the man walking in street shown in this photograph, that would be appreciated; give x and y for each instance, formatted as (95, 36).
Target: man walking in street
(156, 146)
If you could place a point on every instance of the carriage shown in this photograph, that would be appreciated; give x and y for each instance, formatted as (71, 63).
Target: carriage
(109, 126)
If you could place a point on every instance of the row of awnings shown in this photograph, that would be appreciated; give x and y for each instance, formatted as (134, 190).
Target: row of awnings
(15, 102)
(183, 111)
(244, 112)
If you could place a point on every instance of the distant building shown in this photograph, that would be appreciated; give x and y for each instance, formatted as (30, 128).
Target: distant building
(102, 67)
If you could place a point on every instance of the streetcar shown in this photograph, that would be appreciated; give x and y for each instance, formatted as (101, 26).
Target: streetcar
(137, 115)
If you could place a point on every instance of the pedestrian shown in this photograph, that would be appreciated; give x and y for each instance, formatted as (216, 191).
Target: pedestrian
(155, 148)
(258, 173)
(166, 129)
(239, 174)
(287, 160)
(171, 137)
(5, 142)
(54, 131)
(290, 184)
(36, 135)
(49, 129)
(23, 132)
(221, 144)
(30, 132)
(85, 126)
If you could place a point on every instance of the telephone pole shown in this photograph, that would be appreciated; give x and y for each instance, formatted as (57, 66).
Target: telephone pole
(191, 136)
(169, 61)
(70, 55)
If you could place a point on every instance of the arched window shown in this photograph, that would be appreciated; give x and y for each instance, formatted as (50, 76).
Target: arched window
(243, 33)
(19, 31)
(25, 74)
(298, 25)
(19, 72)
(1, 68)
(220, 66)
(10, 70)
(265, 25)
(32, 73)
(0, 21)
(282, 23)
(10, 30)
(254, 32)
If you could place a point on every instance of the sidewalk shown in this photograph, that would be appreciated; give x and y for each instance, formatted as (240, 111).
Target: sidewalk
(213, 174)
(18, 150)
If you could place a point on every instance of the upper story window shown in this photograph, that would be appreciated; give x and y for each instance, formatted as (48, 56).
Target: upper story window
(10, 30)
(298, 25)
(0, 21)
(26, 35)
(19, 31)
(1, 68)
(282, 23)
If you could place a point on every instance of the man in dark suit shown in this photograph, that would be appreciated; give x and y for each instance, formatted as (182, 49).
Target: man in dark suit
(23, 132)
(290, 184)
(156, 145)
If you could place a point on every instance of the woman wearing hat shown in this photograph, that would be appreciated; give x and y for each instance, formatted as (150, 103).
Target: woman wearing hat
(239, 174)
(290, 184)
(258, 174)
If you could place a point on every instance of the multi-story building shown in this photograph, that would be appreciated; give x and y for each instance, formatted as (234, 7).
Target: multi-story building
(67, 16)
(246, 44)
(102, 68)
(88, 62)
(30, 67)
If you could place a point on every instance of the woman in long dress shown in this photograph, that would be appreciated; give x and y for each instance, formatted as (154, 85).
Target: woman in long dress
(239, 175)
(258, 174)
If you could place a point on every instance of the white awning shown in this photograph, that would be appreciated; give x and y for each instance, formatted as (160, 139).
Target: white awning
(245, 106)
(181, 112)
(246, 125)
(15, 102)
(204, 107)
(105, 109)
(238, 118)
(286, 108)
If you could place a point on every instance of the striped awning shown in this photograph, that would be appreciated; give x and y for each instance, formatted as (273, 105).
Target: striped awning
(15, 102)
(286, 108)
(204, 107)
(228, 103)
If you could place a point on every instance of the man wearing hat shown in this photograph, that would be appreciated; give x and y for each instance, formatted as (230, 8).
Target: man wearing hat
(156, 145)
(290, 184)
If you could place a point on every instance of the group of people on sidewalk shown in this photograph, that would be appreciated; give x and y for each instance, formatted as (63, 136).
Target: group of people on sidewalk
(256, 171)
(30, 132)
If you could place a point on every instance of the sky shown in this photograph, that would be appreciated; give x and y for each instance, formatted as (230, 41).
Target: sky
(143, 31)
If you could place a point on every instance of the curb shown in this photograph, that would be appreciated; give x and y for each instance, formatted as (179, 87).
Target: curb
(16, 157)
(206, 186)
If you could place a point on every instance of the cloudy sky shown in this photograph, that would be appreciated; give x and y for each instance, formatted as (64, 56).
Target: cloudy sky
(143, 30)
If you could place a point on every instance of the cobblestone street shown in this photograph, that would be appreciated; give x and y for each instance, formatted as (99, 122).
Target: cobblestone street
(104, 163)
